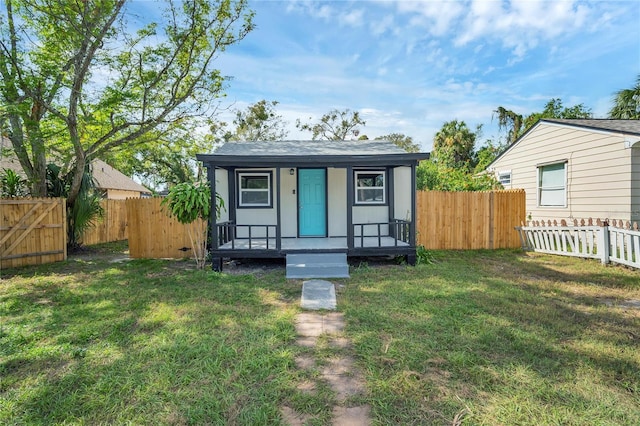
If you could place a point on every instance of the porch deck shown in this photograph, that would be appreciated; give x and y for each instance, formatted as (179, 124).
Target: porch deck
(295, 244)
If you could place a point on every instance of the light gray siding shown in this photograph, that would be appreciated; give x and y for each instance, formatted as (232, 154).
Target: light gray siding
(222, 188)
(402, 200)
(598, 171)
(635, 182)
(336, 203)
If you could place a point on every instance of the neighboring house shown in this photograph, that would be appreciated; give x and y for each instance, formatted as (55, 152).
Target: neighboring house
(352, 197)
(575, 169)
(114, 184)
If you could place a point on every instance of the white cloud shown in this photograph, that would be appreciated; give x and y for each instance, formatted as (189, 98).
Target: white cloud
(353, 18)
(381, 27)
(436, 17)
(522, 25)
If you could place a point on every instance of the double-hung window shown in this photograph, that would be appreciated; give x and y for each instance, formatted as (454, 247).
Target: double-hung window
(254, 189)
(552, 185)
(370, 187)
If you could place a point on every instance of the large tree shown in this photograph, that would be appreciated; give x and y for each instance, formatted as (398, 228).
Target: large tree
(335, 125)
(403, 141)
(73, 72)
(454, 143)
(516, 124)
(555, 109)
(626, 103)
(166, 160)
(509, 121)
(259, 122)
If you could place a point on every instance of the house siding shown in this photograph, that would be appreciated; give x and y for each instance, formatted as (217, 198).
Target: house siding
(120, 194)
(337, 202)
(402, 198)
(635, 182)
(222, 188)
(598, 171)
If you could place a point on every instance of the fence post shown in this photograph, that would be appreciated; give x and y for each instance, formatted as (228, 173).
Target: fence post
(604, 244)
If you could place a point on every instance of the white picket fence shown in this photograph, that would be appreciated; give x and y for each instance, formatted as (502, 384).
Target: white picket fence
(612, 241)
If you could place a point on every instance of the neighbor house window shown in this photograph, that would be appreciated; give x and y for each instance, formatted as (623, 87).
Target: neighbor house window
(370, 187)
(254, 189)
(505, 178)
(552, 185)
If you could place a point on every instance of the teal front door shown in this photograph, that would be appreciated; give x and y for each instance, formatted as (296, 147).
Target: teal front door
(312, 202)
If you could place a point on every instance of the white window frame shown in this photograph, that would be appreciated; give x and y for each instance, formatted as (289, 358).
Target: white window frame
(540, 189)
(241, 190)
(357, 188)
(504, 177)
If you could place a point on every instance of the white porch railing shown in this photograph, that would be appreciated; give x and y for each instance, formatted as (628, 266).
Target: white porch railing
(613, 241)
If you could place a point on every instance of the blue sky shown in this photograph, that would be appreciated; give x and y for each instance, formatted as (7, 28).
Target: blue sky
(410, 66)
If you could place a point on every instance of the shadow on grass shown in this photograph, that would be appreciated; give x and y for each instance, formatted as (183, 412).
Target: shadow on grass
(143, 342)
(500, 332)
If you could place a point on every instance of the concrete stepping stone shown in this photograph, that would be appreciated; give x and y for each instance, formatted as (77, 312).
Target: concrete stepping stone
(318, 294)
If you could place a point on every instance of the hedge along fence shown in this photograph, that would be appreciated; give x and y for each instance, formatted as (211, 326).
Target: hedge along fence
(470, 220)
(113, 226)
(153, 234)
(32, 231)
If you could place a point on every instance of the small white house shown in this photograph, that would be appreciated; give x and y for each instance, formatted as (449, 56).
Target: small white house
(280, 197)
(575, 169)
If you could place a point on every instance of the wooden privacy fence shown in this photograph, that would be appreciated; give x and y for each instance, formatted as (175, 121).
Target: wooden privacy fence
(470, 220)
(610, 241)
(113, 226)
(32, 231)
(152, 233)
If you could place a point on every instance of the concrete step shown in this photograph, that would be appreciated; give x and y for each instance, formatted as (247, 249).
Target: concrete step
(317, 265)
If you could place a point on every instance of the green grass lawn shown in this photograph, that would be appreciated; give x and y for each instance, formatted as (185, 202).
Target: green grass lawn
(475, 338)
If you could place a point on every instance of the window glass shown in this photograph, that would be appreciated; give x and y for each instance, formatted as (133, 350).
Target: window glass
(504, 178)
(552, 185)
(370, 187)
(254, 182)
(254, 189)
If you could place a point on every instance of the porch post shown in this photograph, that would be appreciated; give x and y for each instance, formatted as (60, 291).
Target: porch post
(350, 202)
(278, 213)
(391, 199)
(216, 262)
(231, 181)
(414, 217)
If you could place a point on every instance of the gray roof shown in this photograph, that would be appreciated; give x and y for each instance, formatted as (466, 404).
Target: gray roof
(310, 154)
(631, 127)
(306, 148)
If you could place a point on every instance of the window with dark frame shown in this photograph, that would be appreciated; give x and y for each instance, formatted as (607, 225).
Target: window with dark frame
(254, 189)
(370, 187)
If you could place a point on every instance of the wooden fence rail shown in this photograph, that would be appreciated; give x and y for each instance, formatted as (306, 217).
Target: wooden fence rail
(469, 220)
(32, 231)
